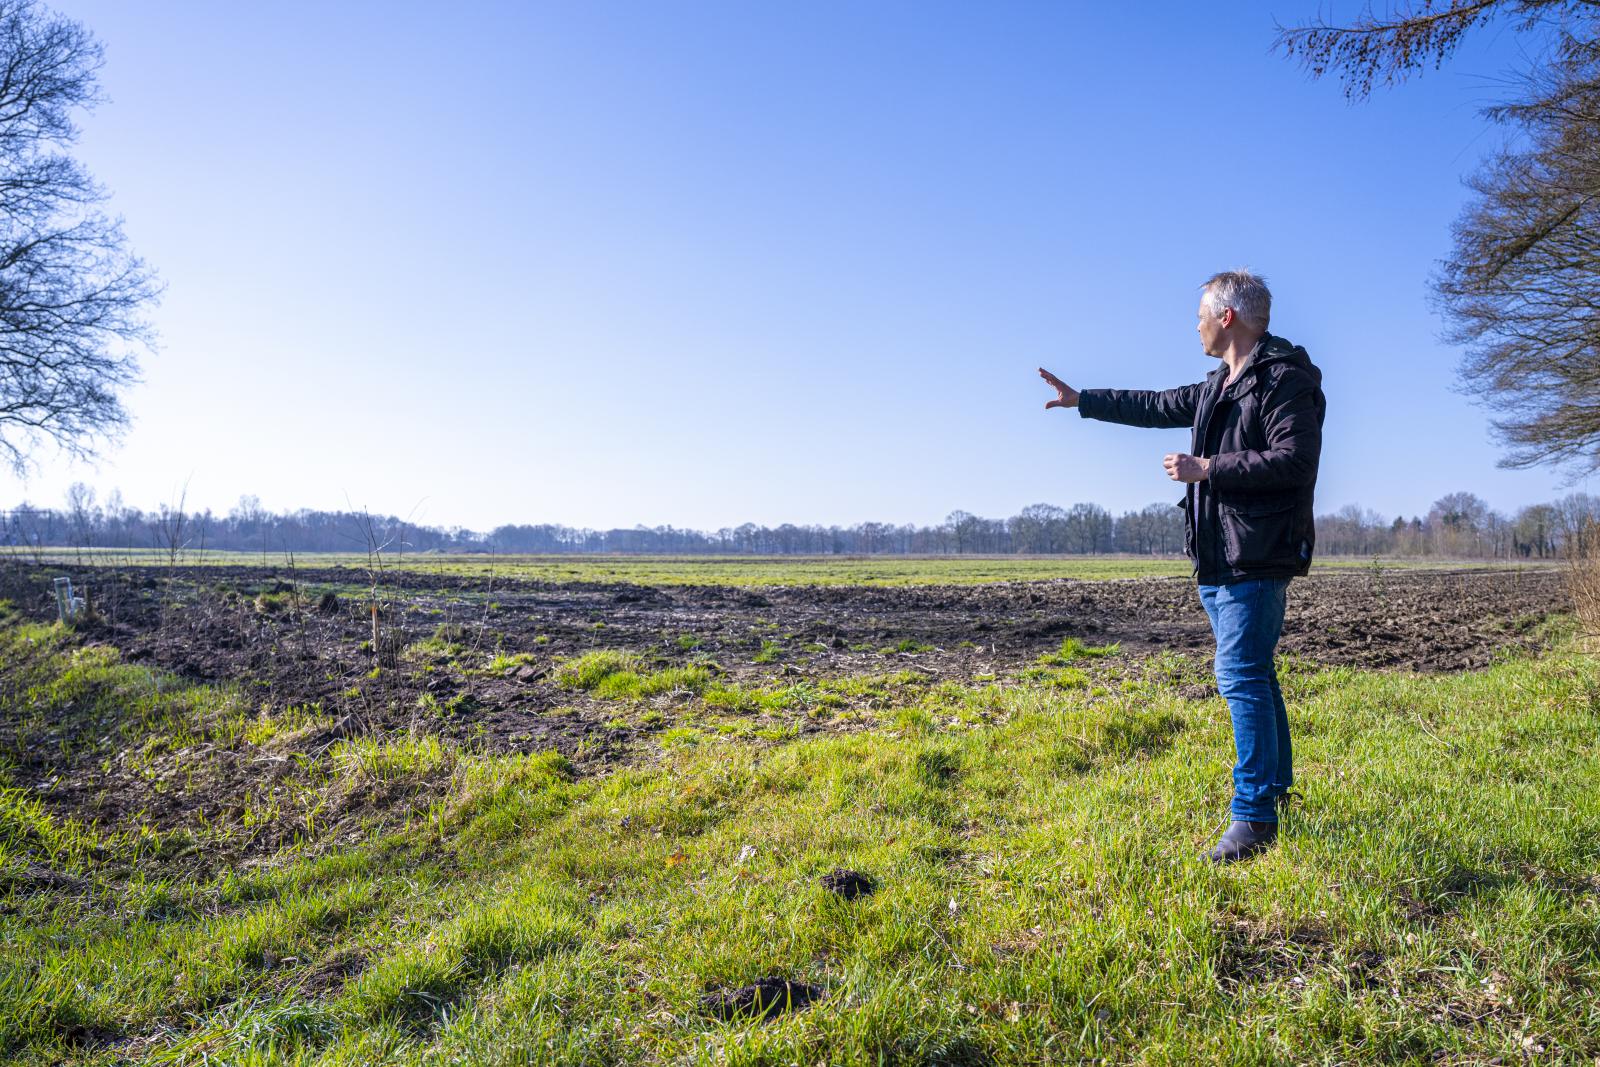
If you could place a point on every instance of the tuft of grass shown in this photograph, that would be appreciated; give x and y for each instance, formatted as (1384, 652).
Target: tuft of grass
(273, 603)
(1057, 677)
(589, 670)
(451, 633)
(504, 663)
(746, 700)
(375, 760)
(1072, 650)
(446, 643)
(628, 685)
(613, 675)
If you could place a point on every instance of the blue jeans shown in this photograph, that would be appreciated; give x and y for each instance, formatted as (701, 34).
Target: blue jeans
(1247, 618)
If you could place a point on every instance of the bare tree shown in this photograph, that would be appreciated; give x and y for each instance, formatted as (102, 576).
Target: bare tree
(80, 511)
(171, 527)
(1087, 528)
(1522, 290)
(963, 527)
(72, 296)
(23, 531)
(376, 541)
(1519, 292)
(1039, 529)
(1534, 533)
(1459, 521)
(1384, 51)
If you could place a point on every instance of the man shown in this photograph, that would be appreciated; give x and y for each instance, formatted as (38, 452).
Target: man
(1250, 475)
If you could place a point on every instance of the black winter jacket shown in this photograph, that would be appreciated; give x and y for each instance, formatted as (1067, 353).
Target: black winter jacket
(1252, 516)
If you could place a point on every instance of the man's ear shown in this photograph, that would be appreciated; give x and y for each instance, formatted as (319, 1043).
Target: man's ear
(1226, 317)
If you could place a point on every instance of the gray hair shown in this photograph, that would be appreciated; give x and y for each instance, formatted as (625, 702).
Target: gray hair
(1242, 291)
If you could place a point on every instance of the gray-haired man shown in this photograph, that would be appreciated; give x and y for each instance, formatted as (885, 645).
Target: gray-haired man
(1250, 476)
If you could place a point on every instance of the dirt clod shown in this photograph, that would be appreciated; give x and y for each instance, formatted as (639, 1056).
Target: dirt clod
(347, 726)
(764, 997)
(848, 884)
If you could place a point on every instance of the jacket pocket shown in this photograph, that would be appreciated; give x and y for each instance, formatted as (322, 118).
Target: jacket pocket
(1258, 533)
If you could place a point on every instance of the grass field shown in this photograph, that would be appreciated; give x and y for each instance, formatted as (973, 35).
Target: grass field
(740, 570)
(1435, 897)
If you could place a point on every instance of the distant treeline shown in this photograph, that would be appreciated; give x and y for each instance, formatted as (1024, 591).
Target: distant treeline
(1459, 525)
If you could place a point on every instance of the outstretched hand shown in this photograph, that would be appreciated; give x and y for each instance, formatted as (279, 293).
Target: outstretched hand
(1066, 395)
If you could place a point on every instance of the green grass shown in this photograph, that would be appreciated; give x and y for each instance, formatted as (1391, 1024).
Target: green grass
(1072, 650)
(591, 669)
(615, 675)
(504, 663)
(906, 646)
(1435, 896)
(748, 570)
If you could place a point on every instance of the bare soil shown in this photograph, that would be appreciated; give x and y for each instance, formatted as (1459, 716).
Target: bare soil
(304, 637)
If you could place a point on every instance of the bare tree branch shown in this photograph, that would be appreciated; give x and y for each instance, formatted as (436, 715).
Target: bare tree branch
(1521, 291)
(72, 296)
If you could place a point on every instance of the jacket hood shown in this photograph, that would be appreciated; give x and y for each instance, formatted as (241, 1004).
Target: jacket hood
(1274, 349)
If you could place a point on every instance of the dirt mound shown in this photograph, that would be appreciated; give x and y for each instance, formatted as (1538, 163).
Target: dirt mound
(848, 884)
(764, 997)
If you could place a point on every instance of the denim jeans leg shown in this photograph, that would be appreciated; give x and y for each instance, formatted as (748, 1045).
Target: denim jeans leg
(1285, 776)
(1247, 618)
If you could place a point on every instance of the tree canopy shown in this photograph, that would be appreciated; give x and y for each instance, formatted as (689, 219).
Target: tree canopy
(1520, 292)
(71, 294)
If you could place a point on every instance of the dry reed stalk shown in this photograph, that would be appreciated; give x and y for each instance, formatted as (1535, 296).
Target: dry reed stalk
(1583, 581)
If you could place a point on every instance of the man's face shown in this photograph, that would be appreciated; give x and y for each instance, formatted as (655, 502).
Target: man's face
(1211, 330)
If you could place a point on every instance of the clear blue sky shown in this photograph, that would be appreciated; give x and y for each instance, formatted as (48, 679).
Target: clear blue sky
(700, 263)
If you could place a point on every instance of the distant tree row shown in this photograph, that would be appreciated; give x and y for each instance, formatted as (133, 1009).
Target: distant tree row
(1039, 529)
(86, 522)
(1459, 525)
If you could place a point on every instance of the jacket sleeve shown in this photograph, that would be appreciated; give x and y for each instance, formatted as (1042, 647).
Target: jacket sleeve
(1292, 426)
(1156, 409)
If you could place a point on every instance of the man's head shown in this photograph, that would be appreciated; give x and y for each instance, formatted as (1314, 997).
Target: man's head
(1235, 307)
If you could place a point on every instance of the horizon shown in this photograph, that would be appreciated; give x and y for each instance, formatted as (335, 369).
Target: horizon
(102, 507)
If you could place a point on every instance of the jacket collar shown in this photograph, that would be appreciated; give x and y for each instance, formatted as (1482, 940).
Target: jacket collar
(1247, 380)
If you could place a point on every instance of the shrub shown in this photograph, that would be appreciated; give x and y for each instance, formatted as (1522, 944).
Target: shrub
(1583, 578)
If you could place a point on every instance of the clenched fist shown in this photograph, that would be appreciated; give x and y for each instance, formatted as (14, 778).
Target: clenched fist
(1182, 467)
